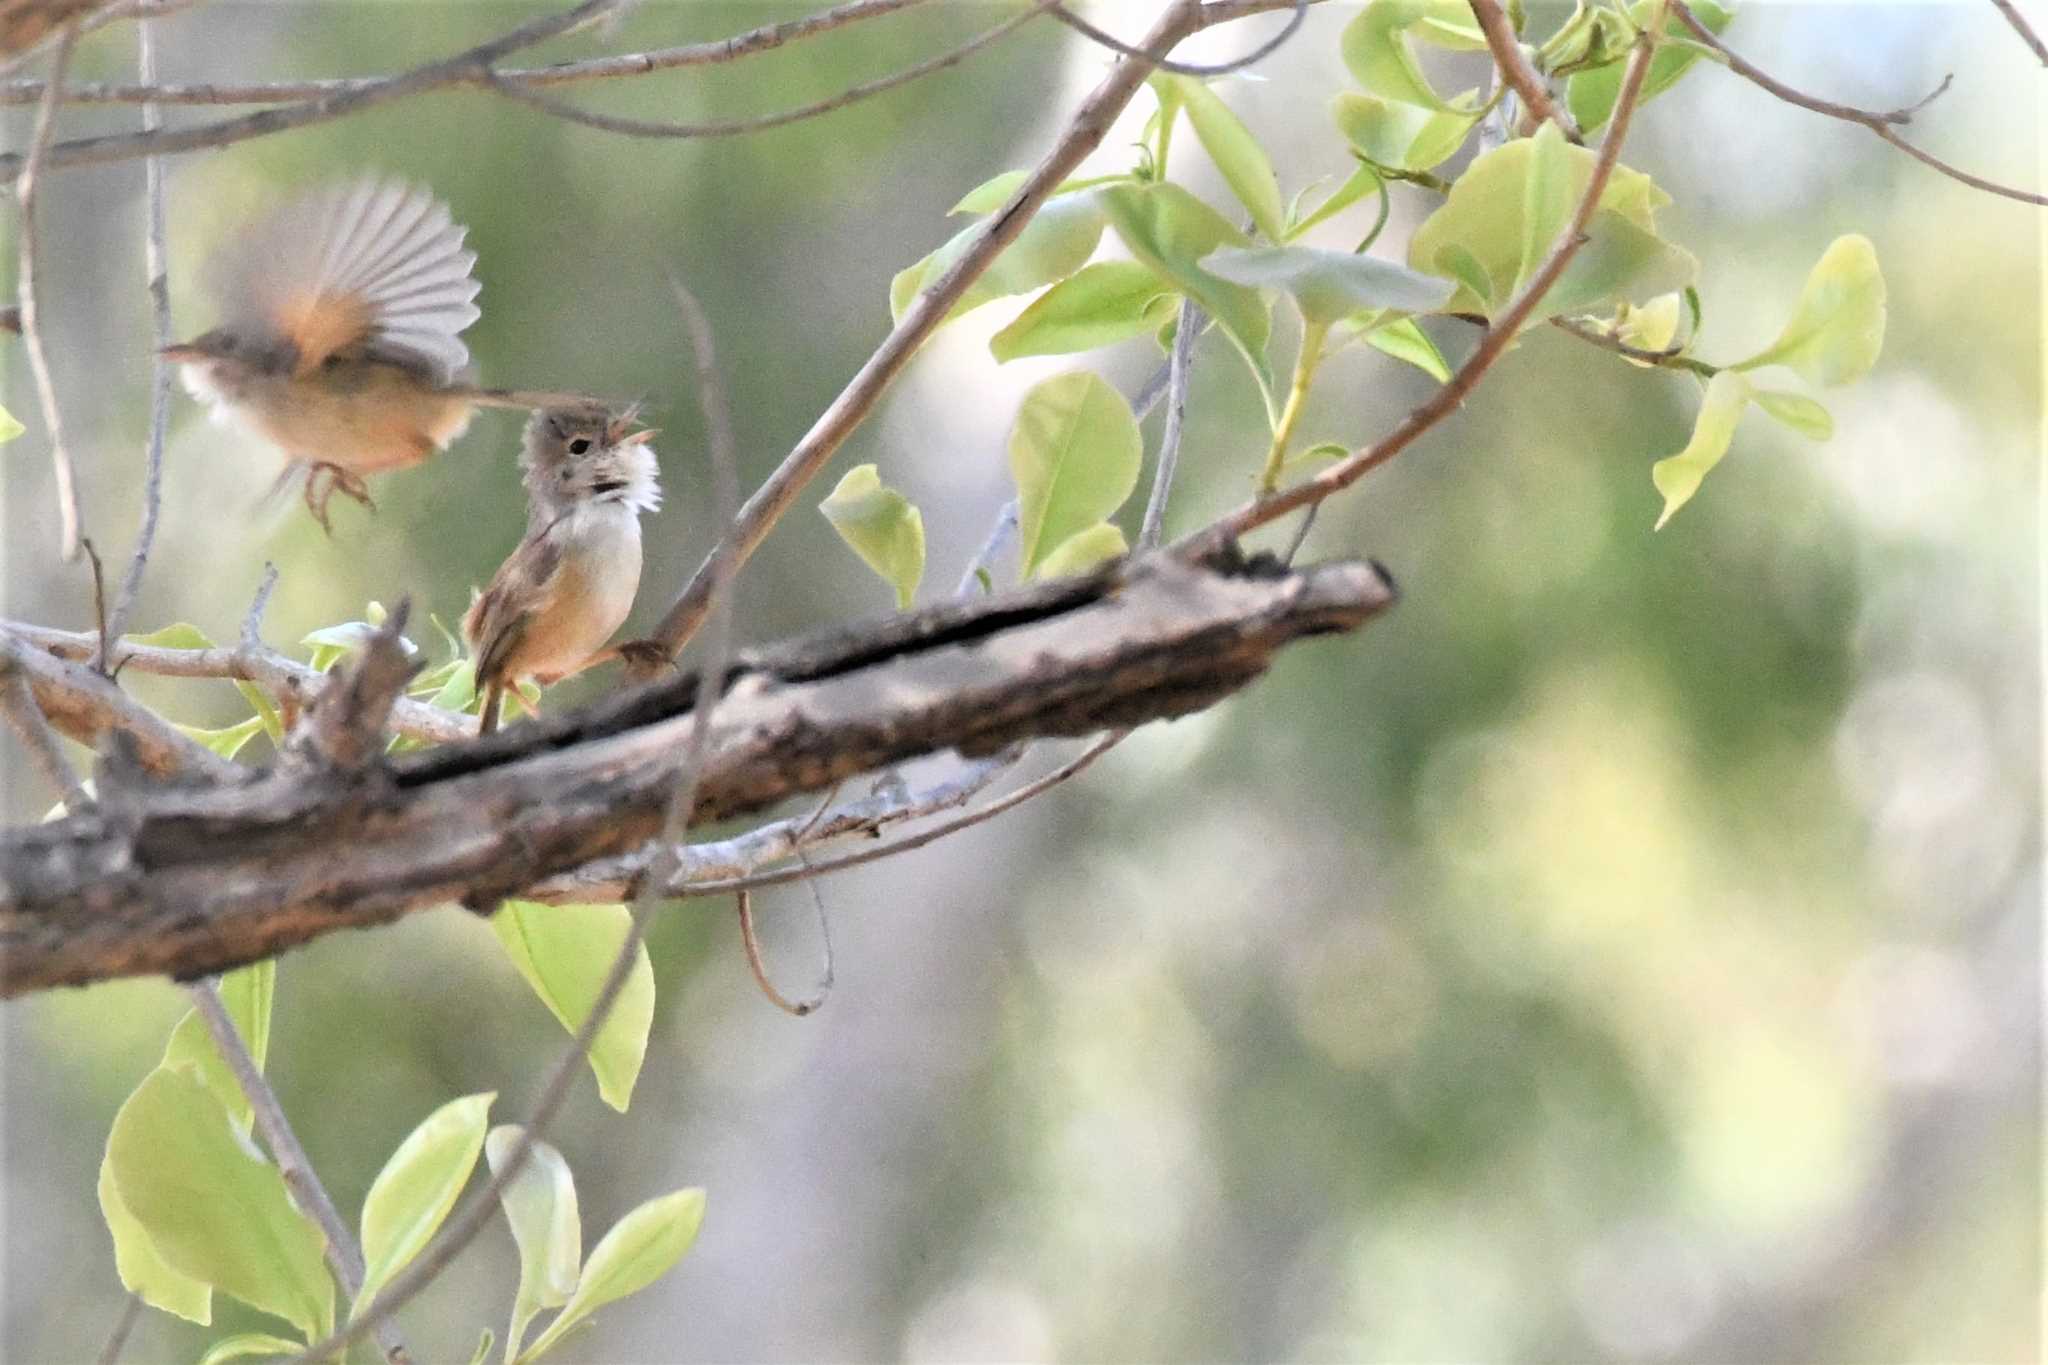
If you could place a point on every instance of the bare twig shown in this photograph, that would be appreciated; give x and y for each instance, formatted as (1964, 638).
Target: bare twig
(156, 272)
(31, 326)
(117, 1340)
(463, 1228)
(343, 1255)
(1671, 357)
(1197, 69)
(82, 704)
(775, 497)
(984, 559)
(654, 128)
(766, 38)
(1880, 124)
(471, 66)
(744, 903)
(18, 707)
(1185, 332)
(1516, 70)
(2024, 29)
(1492, 343)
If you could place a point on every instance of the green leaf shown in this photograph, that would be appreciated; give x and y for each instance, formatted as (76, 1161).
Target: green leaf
(483, 1347)
(332, 643)
(640, 1248)
(1330, 285)
(540, 1204)
(227, 742)
(1651, 327)
(248, 993)
(213, 1208)
(1678, 476)
(1057, 241)
(1502, 209)
(1400, 137)
(881, 526)
(1798, 412)
(182, 635)
(1171, 230)
(1837, 329)
(1405, 341)
(1074, 454)
(565, 952)
(1315, 454)
(1237, 154)
(249, 1344)
(10, 426)
(1360, 183)
(1590, 95)
(417, 1187)
(1547, 200)
(1375, 48)
(143, 1272)
(1100, 305)
(996, 191)
(1084, 550)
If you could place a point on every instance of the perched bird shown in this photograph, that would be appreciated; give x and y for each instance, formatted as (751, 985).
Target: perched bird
(340, 335)
(551, 606)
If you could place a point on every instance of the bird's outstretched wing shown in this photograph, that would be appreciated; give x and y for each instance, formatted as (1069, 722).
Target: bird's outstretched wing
(368, 262)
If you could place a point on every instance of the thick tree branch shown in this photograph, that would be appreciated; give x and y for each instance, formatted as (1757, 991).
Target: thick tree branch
(87, 707)
(193, 881)
(18, 708)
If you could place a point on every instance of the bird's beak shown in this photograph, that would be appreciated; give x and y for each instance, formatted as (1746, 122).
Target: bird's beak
(640, 438)
(181, 352)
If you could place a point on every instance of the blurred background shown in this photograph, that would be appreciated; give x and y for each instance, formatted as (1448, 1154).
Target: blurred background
(1627, 950)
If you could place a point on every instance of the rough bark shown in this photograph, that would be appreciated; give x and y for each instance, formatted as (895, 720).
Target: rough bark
(193, 879)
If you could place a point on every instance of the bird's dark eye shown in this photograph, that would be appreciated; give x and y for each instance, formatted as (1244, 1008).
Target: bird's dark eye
(579, 445)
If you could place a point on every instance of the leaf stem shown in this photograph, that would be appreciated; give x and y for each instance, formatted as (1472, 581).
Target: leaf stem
(1309, 359)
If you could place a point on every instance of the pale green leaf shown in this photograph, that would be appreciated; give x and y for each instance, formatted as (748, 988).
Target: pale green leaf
(250, 1344)
(1084, 550)
(881, 526)
(143, 1272)
(565, 952)
(1405, 341)
(10, 426)
(1590, 95)
(182, 635)
(996, 191)
(540, 1205)
(1074, 454)
(213, 1208)
(1678, 476)
(226, 742)
(640, 1248)
(1547, 200)
(349, 636)
(1375, 48)
(1400, 137)
(1837, 329)
(1330, 285)
(1237, 154)
(1057, 241)
(484, 1343)
(248, 993)
(1482, 231)
(1652, 326)
(1100, 305)
(1798, 412)
(1314, 455)
(418, 1186)
(1171, 230)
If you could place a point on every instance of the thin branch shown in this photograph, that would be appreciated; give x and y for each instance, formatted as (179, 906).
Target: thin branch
(155, 270)
(1493, 343)
(1197, 69)
(18, 707)
(1084, 132)
(654, 128)
(1516, 70)
(343, 1255)
(999, 536)
(2024, 29)
(1185, 332)
(1671, 357)
(758, 968)
(82, 704)
(766, 38)
(463, 1228)
(117, 1340)
(472, 66)
(31, 326)
(1880, 124)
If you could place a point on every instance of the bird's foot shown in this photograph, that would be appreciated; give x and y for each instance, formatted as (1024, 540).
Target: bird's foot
(324, 481)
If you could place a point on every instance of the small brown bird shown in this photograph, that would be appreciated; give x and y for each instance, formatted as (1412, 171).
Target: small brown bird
(340, 335)
(551, 606)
